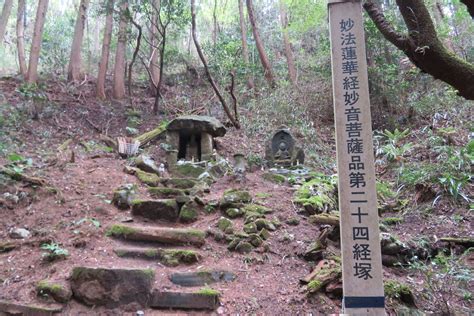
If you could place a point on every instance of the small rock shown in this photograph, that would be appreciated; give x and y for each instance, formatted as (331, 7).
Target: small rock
(263, 223)
(294, 221)
(250, 228)
(234, 212)
(264, 234)
(244, 247)
(60, 292)
(224, 224)
(19, 233)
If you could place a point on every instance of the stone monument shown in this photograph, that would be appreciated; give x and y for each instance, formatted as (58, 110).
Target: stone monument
(281, 149)
(191, 138)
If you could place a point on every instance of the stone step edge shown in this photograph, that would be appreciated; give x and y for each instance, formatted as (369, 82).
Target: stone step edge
(162, 235)
(203, 299)
(167, 256)
(28, 309)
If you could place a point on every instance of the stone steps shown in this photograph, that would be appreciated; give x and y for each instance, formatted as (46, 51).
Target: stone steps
(115, 287)
(168, 257)
(201, 278)
(160, 235)
(204, 299)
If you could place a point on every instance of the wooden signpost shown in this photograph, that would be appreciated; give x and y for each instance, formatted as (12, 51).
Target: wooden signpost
(360, 241)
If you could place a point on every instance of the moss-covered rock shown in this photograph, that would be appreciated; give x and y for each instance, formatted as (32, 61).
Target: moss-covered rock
(180, 183)
(175, 257)
(250, 228)
(293, 221)
(189, 170)
(264, 234)
(164, 209)
(147, 178)
(274, 177)
(147, 164)
(317, 195)
(234, 212)
(165, 193)
(244, 247)
(123, 196)
(399, 291)
(59, 291)
(225, 224)
(252, 217)
(255, 208)
(189, 212)
(234, 198)
(255, 240)
(263, 223)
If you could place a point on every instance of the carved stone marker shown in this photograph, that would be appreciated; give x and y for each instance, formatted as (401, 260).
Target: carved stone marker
(281, 149)
(360, 241)
(192, 136)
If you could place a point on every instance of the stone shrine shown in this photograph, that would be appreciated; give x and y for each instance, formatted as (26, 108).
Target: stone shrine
(281, 149)
(191, 137)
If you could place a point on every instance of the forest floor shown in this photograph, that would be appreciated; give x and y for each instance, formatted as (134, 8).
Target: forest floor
(73, 209)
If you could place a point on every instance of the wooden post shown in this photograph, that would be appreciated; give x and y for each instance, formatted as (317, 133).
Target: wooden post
(360, 240)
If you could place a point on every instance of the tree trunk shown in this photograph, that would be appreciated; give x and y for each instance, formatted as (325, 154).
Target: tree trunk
(261, 50)
(119, 69)
(286, 41)
(104, 59)
(74, 68)
(7, 8)
(214, 24)
(245, 49)
(32, 75)
(423, 47)
(214, 85)
(20, 40)
(154, 54)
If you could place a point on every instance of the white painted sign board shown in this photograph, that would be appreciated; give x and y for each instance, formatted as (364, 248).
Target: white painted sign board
(360, 240)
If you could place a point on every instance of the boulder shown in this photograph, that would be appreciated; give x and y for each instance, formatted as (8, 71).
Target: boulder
(164, 209)
(112, 287)
(146, 164)
(123, 196)
(189, 212)
(234, 198)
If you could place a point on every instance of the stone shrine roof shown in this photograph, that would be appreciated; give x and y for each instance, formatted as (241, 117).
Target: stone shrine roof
(197, 123)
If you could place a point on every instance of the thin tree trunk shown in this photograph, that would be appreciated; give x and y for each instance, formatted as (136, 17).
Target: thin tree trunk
(245, 49)
(286, 41)
(158, 95)
(119, 68)
(32, 75)
(104, 60)
(74, 68)
(214, 24)
(20, 40)
(206, 68)
(261, 50)
(7, 8)
(154, 54)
